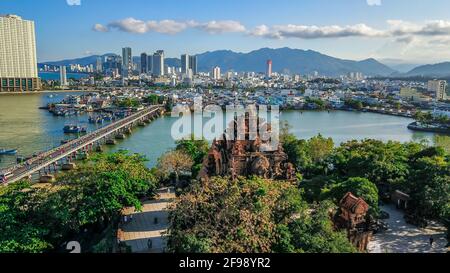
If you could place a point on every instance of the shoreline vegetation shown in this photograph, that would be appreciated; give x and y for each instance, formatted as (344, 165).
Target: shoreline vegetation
(429, 122)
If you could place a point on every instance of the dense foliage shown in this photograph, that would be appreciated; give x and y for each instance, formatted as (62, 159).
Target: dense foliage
(196, 149)
(81, 204)
(371, 169)
(251, 216)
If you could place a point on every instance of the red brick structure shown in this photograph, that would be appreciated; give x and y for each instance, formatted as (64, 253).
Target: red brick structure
(246, 156)
(353, 210)
(352, 217)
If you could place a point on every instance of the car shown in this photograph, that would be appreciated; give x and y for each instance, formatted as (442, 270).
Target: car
(4, 176)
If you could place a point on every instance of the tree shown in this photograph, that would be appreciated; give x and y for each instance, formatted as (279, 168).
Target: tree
(313, 233)
(17, 235)
(40, 219)
(429, 186)
(152, 99)
(360, 187)
(196, 149)
(251, 215)
(175, 162)
(129, 102)
(308, 156)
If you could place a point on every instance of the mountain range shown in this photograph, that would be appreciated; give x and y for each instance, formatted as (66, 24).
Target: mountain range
(286, 60)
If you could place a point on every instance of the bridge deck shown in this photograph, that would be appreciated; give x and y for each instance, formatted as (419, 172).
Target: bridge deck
(45, 159)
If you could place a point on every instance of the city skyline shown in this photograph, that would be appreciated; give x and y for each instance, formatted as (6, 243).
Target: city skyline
(394, 31)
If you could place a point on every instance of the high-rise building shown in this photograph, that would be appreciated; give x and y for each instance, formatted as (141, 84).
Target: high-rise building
(63, 75)
(439, 87)
(99, 65)
(269, 69)
(18, 62)
(113, 65)
(185, 63)
(158, 63)
(127, 62)
(150, 63)
(193, 64)
(216, 73)
(144, 63)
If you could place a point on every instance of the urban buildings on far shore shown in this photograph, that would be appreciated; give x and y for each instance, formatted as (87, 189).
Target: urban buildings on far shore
(18, 62)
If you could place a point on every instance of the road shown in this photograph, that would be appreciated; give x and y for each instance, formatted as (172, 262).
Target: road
(405, 238)
(142, 227)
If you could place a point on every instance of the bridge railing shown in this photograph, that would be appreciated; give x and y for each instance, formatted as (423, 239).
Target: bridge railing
(80, 140)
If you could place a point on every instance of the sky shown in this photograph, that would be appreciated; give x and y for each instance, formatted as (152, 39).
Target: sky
(394, 31)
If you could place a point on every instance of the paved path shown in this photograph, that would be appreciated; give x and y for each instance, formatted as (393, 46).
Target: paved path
(405, 238)
(142, 227)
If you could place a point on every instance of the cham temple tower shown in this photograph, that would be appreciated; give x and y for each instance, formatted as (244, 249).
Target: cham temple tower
(247, 148)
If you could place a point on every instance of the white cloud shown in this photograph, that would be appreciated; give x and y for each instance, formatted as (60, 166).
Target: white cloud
(216, 27)
(133, 25)
(315, 32)
(399, 30)
(374, 2)
(73, 2)
(100, 28)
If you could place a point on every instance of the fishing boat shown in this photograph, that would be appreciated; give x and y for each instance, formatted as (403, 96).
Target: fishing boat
(108, 118)
(8, 152)
(96, 120)
(74, 129)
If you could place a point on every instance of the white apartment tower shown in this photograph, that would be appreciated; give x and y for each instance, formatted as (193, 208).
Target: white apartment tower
(63, 75)
(216, 73)
(18, 62)
(438, 87)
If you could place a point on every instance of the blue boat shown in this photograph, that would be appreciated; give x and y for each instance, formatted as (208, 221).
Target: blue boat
(8, 152)
(96, 120)
(74, 129)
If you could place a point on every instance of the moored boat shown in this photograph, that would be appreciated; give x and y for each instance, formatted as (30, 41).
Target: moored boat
(8, 152)
(74, 129)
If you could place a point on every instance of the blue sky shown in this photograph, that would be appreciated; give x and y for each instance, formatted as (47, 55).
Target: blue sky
(415, 31)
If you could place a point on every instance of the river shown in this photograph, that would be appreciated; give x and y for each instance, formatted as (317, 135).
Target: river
(27, 128)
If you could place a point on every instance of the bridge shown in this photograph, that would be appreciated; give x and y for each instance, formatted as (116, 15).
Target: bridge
(44, 162)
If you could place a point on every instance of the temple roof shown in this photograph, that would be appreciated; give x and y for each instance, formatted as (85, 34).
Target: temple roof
(353, 203)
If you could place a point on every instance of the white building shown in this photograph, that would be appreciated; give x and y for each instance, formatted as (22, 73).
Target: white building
(18, 62)
(63, 76)
(216, 73)
(438, 87)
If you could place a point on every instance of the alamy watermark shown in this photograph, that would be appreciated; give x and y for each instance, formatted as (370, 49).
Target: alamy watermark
(235, 122)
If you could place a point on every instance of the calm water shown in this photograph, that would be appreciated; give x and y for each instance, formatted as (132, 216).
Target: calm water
(28, 129)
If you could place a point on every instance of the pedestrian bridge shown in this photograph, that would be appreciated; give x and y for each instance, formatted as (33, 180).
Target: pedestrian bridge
(43, 162)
